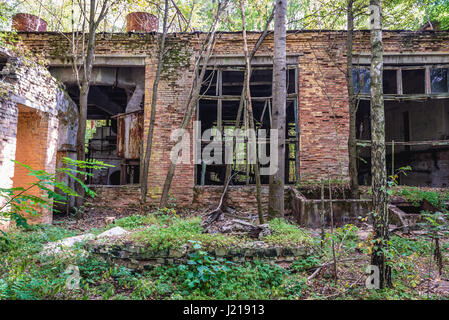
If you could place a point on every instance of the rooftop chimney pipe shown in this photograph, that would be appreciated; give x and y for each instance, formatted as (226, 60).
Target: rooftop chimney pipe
(141, 22)
(28, 22)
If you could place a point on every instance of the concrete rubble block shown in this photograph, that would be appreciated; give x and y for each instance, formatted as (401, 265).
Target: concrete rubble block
(57, 247)
(114, 232)
(178, 252)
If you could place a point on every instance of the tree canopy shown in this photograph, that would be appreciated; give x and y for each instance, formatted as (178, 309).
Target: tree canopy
(197, 15)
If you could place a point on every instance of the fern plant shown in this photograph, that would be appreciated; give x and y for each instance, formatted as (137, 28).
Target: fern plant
(18, 202)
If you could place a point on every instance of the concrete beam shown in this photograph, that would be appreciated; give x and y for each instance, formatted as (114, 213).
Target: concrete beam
(239, 60)
(124, 77)
(103, 61)
(394, 58)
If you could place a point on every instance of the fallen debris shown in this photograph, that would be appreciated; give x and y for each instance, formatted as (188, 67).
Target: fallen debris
(66, 245)
(54, 248)
(114, 232)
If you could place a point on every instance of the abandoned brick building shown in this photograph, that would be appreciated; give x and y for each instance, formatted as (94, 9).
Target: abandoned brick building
(416, 88)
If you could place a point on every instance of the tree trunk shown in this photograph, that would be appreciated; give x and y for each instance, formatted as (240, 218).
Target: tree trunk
(193, 98)
(83, 99)
(276, 193)
(250, 114)
(378, 164)
(146, 161)
(352, 144)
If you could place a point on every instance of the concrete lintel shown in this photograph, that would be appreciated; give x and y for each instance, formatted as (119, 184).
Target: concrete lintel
(30, 104)
(239, 60)
(104, 61)
(410, 58)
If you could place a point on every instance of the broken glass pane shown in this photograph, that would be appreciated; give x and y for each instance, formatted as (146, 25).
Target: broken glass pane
(209, 85)
(439, 80)
(389, 82)
(413, 81)
(362, 81)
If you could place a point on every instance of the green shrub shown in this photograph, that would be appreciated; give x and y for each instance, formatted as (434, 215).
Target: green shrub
(416, 196)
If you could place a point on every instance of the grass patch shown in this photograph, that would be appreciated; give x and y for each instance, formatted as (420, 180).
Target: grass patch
(135, 221)
(285, 233)
(173, 232)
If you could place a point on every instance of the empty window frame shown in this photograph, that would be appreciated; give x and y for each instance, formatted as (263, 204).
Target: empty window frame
(413, 81)
(439, 80)
(362, 81)
(218, 108)
(405, 80)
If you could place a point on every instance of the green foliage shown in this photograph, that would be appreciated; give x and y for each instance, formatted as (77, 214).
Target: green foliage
(135, 221)
(26, 274)
(416, 196)
(202, 269)
(23, 273)
(346, 235)
(438, 10)
(301, 265)
(6, 10)
(19, 201)
(295, 288)
(173, 232)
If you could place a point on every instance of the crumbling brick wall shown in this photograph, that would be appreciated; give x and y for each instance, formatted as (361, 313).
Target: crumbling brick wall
(29, 122)
(322, 93)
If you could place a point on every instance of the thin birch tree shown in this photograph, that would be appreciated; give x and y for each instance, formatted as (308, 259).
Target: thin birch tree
(378, 164)
(352, 99)
(149, 141)
(249, 108)
(242, 97)
(276, 189)
(91, 17)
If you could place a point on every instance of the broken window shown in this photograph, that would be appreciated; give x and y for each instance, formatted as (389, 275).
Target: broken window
(218, 108)
(362, 80)
(413, 81)
(390, 85)
(439, 80)
(416, 135)
(404, 80)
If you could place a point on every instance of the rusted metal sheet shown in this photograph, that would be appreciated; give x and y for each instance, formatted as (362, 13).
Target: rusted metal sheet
(129, 135)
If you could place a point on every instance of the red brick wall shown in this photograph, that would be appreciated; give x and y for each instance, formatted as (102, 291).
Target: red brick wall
(323, 103)
(31, 149)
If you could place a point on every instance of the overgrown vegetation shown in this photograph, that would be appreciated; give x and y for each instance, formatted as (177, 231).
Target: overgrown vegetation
(171, 231)
(285, 233)
(27, 274)
(417, 195)
(20, 203)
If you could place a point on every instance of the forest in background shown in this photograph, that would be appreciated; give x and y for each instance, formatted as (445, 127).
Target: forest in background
(197, 15)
